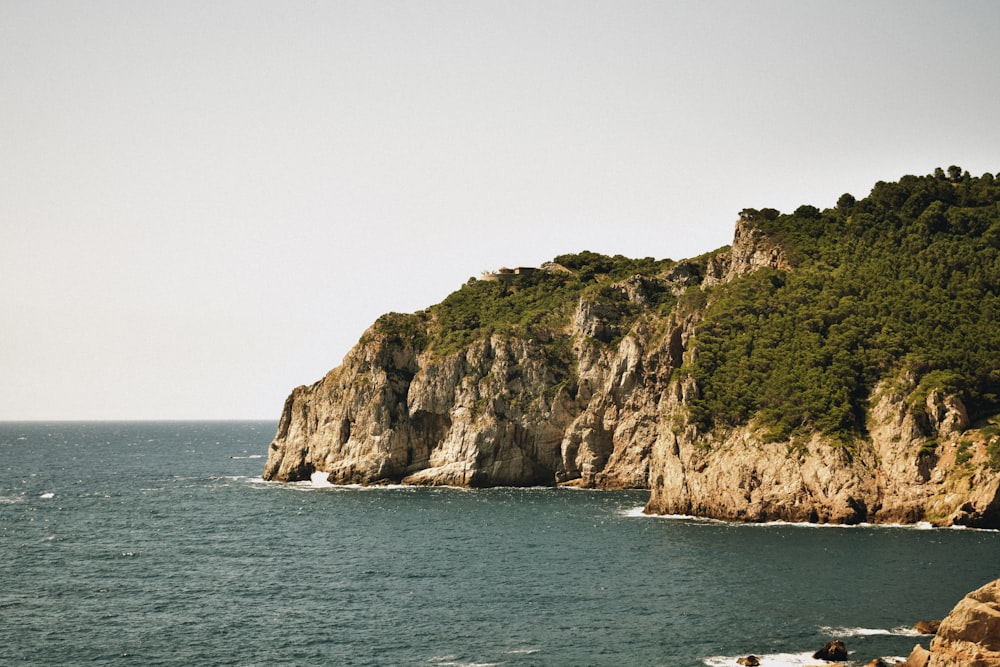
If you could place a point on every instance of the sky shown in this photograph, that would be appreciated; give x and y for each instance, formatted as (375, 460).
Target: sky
(205, 204)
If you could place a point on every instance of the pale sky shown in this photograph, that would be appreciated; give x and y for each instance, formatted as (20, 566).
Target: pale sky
(205, 204)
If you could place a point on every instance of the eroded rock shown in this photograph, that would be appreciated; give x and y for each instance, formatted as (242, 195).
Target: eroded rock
(970, 635)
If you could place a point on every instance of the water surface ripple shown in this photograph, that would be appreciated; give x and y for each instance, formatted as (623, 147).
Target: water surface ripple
(159, 544)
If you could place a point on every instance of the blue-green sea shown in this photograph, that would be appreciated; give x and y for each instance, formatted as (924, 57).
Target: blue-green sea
(160, 544)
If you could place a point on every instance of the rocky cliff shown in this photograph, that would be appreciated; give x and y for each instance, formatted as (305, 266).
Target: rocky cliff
(604, 401)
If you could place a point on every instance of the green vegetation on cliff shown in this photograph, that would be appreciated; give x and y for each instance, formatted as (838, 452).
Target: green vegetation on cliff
(903, 284)
(905, 281)
(537, 304)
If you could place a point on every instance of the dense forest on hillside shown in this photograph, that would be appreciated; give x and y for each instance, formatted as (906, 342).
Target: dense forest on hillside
(904, 281)
(903, 285)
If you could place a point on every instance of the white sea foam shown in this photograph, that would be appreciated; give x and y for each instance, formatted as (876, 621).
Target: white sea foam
(841, 632)
(251, 456)
(633, 512)
(47, 495)
(922, 525)
(639, 512)
(806, 659)
(319, 480)
(905, 632)
(400, 487)
(772, 660)
(454, 661)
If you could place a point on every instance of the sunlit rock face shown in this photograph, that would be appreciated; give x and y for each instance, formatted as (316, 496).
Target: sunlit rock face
(970, 635)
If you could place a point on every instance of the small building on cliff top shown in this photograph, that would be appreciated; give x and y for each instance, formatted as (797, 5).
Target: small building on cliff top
(506, 276)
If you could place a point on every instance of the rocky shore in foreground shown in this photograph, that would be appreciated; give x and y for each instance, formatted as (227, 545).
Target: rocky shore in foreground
(968, 637)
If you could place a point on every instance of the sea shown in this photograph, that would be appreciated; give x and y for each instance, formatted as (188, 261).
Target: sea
(158, 543)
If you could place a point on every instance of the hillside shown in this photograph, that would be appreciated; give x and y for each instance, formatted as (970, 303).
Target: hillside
(830, 365)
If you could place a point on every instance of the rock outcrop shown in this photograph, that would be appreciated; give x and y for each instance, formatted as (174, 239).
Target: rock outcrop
(614, 414)
(970, 635)
(831, 651)
(926, 627)
(919, 657)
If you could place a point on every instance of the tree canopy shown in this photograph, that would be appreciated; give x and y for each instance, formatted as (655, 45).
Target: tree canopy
(906, 280)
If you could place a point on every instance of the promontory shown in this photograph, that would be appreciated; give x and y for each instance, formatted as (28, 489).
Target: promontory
(838, 365)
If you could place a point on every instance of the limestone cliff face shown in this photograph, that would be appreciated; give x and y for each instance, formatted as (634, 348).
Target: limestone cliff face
(495, 414)
(890, 477)
(500, 412)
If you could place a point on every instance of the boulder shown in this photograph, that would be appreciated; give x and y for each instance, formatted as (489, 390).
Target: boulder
(970, 635)
(832, 651)
(927, 627)
(749, 661)
(919, 657)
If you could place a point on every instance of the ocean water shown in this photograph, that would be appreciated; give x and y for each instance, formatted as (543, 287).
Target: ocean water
(159, 544)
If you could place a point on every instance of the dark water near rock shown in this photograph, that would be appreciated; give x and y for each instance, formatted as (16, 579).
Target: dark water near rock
(158, 544)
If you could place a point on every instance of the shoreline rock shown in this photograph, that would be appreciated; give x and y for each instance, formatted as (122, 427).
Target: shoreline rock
(927, 627)
(834, 651)
(970, 635)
